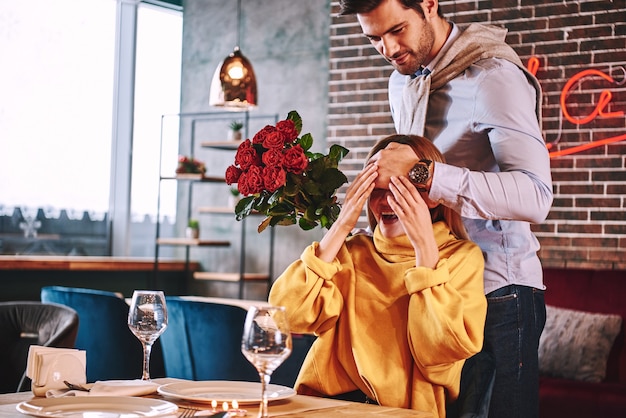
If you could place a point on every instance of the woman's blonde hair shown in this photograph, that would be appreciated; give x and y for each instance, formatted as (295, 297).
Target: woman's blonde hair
(424, 149)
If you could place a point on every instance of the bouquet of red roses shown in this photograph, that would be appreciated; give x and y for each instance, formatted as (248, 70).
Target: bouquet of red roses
(280, 178)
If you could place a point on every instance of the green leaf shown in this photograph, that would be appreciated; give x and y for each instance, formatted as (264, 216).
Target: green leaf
(286, 221)
(337, 152)
(306, 225)
(297, 120)
(292, 186)
(306, 141)
(316, 169)
(281, 209)
(315, 156)
(313, 188)
(311, 214)
(244, 207)
(332, 179)
(325, 222)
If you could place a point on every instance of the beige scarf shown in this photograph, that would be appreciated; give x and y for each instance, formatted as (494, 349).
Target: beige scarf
(475, 43)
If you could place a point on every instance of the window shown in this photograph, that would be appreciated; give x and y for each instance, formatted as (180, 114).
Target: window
(157, 92)
(56, 115)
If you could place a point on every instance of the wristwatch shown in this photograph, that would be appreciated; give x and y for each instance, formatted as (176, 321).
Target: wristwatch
(420, 174)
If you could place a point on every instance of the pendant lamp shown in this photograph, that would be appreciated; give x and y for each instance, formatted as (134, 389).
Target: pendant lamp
(234, 84)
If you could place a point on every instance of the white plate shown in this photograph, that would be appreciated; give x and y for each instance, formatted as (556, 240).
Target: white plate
(97, 407)
(224, 391)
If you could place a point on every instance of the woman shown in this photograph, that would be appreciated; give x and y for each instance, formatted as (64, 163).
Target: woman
(396, 312)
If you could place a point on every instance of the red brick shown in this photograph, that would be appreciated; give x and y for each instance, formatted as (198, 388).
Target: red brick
(593, 179)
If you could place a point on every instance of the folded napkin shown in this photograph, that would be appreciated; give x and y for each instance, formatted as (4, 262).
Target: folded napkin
(109, 388)
(48, 367)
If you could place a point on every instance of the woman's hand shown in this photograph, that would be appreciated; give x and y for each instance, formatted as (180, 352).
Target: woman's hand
(356, 196)
(351, 209)
(414, 214)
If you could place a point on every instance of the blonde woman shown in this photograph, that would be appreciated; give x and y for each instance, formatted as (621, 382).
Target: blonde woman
(396, 312)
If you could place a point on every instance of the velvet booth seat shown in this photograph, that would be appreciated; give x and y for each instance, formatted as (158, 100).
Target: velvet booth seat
(113, 351)
(590, 302)
(203, 342)
(27, 323)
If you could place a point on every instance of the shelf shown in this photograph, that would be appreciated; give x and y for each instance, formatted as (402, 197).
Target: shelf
(226, 210)
(193, 242)
(190, 182)
(225, 145)
(196, 177)
(229, 277)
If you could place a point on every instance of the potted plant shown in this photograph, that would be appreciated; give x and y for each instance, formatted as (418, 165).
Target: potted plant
(193, 229)
(234, 133)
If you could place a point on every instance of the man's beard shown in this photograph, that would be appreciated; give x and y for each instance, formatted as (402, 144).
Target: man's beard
(417, 57)
(408, 68)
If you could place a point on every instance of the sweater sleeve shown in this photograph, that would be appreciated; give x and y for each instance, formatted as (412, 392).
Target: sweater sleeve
(447, 312)
(312, 300)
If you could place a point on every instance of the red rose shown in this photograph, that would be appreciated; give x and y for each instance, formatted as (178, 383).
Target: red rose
(242, 185)
(259, 137)
(273, 157)
(295, 160)
(289, 129)
(274, 178)
(246, 155)
(253, 179)
(232, 174)
(274, 139)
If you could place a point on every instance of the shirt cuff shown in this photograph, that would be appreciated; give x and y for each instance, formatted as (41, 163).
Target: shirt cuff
(446, 183)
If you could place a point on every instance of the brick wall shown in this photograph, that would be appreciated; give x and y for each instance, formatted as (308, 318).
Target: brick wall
(587, 224)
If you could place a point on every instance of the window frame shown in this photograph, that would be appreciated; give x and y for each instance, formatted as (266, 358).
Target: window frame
(123, 116)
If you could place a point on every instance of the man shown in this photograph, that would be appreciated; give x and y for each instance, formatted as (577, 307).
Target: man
(468, 92)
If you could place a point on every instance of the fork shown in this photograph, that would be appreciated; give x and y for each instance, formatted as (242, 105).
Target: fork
(186, 412)
(189, 412)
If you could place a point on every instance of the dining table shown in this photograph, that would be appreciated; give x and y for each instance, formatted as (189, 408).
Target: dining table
(300, 406)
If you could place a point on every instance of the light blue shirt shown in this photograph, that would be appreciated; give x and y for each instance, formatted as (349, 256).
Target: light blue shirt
(497, 174)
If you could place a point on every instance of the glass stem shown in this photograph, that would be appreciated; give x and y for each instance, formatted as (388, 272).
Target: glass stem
(265, 380)
(147, 349)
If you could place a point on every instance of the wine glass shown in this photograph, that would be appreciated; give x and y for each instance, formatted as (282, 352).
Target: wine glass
(266, 343)
(147, 319)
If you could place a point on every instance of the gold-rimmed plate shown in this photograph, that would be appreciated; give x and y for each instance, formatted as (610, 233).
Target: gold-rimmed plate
(224, 391)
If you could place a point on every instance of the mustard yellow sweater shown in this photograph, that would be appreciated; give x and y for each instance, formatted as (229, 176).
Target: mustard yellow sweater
(397, 332)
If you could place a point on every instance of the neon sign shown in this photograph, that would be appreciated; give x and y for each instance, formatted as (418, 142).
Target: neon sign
(600, 110)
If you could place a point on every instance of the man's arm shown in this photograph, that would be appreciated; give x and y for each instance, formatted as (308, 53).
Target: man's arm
(521, 189)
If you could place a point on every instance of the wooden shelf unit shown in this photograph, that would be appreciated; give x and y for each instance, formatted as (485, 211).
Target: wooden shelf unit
(241, 276)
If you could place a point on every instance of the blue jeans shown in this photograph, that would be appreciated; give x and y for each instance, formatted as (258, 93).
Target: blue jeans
(516, 316)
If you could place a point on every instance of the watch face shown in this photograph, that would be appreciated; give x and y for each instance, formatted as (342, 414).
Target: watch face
(419, 173)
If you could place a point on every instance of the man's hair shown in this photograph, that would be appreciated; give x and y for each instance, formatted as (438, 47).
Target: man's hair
(351, 7)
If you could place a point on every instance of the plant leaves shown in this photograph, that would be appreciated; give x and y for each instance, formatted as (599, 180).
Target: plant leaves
(337, 152)
(244, 207)
(306, 141)
(297, 120)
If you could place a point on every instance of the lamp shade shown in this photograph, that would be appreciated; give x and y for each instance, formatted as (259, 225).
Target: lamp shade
(234, 83)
